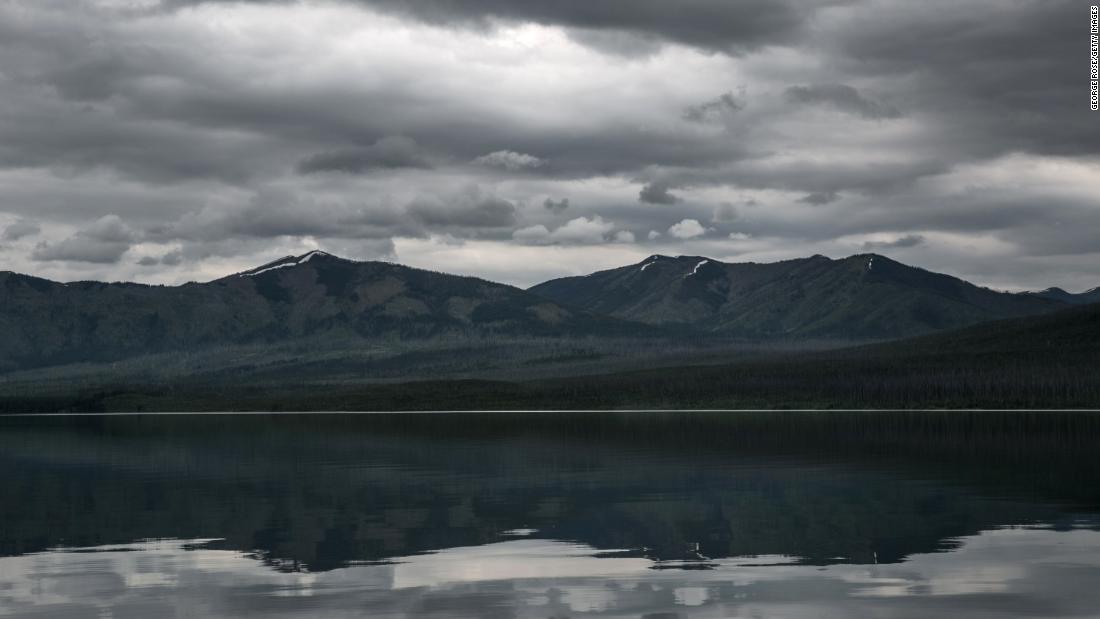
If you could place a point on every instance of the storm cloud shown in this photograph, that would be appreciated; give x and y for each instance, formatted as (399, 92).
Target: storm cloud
(716, 109)
(657, 193)
(718, 25)
(446, 134)
(843, 98)
(19, 229)
(470, 208)
(103, 241)
(556, 206)
(387, 154)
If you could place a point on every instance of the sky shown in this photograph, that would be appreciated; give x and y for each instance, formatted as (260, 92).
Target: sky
(164, 141)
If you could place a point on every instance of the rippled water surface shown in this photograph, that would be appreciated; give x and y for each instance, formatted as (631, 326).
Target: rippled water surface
(643, 515)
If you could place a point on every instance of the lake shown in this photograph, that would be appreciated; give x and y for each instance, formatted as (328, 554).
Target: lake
(552, 515)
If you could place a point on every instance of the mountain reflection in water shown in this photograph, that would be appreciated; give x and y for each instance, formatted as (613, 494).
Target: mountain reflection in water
(552, 515)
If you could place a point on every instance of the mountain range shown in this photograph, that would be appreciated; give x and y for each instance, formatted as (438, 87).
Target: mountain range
(324, 300)
(865, 296)
(316, 296)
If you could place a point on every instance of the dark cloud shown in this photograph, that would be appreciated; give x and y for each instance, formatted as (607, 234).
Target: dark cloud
(40, 131)
(146, 110)
(713, 110)
(389, 153)
(102, 242)
(657, 193)
(556, 206)
(824, 178)
(470, 208)
(93, 79)
(909, 240)
(725, 213)
(618, 42)
(172, 258)
(620, 148)
(721, 25)
(21, 228)
(843, 98)
(819, 197)
(999, 77)
(272, 214)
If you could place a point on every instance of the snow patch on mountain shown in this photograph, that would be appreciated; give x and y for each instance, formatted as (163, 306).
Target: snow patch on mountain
(289, 261)
(696, 269)
(311, 255)
(270, 268)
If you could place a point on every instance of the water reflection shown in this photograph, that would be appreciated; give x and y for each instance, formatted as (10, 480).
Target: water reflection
(779, 515)
(1007, 572)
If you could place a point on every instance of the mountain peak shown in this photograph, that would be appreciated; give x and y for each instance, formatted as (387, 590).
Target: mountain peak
(289, 261)
(318, 254)
(865, 295)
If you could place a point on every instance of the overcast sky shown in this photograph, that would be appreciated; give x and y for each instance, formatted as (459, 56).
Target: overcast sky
(519, 140)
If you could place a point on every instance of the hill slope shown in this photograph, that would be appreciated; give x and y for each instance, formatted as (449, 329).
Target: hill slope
(1047, 361)
(316, 296)
(862, 296)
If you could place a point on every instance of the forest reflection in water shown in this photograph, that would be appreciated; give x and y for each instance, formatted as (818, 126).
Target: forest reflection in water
(546, 515)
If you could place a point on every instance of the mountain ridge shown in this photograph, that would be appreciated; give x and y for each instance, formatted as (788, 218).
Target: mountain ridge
(316, 296)
(321, 298)
(1091, 295)
(861, 296)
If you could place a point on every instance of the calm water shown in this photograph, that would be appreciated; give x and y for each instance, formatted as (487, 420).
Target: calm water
(653, 516)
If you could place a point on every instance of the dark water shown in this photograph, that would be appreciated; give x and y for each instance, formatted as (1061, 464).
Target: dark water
(653, 516)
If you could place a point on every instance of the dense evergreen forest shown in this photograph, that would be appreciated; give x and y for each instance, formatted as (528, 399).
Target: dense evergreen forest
(1049, 361)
